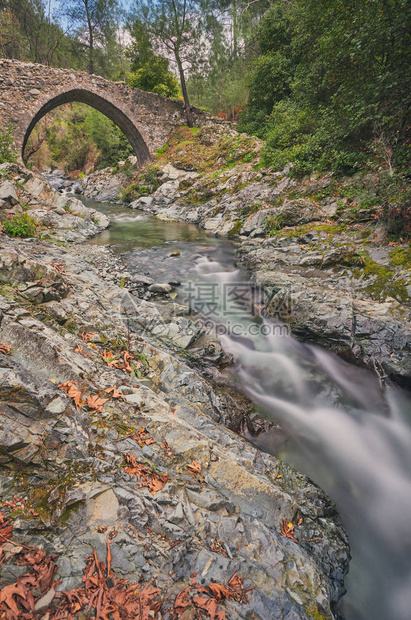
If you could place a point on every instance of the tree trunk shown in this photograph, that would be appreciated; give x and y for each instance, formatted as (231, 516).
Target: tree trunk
(235, 33)
(91, 39)
(91, 55)
(187, 106)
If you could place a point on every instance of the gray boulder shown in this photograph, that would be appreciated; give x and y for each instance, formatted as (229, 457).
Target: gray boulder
(160, 288)
(8, 193)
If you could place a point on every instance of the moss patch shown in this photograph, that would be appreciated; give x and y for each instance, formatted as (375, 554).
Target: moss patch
(384, 284)
(401, 257)
(185, 147)
(145, 184)
(236, 229)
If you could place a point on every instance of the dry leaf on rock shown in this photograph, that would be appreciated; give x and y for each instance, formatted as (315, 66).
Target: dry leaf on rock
(146, 477)
(96, 403)
(115, 393)
(194, 467)
(87, 336)
(72, 390)
(287, 530)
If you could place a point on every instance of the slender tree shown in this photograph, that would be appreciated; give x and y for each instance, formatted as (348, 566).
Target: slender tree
(94, 22)
(179, 28)
(28, 32)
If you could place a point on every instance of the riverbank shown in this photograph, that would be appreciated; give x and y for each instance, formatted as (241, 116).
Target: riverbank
(319, 241)
(111, 441)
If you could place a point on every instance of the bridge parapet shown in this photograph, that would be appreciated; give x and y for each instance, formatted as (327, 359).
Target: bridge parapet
(29, 91)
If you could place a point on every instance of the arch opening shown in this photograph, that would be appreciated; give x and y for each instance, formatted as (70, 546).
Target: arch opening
(101, 105)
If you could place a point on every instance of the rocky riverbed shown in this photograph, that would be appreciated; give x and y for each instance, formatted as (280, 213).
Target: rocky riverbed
(318, 241)
(107, 434)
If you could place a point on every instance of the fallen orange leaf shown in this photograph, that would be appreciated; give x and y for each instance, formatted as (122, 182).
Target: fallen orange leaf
(287, 530)
(109, 558)
(220, 592)
(87, 336)
(72, 390)
(115, 393)
(194, 467)
(94, 402)
(7, 594)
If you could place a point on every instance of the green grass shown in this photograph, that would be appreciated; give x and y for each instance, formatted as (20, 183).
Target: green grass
(384, 284)
(20, 225)
(401, 257)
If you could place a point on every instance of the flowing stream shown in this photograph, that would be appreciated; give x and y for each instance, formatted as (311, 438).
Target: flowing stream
(343, 429)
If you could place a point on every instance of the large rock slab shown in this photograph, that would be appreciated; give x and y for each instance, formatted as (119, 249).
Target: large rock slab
(166, 419)
(8, 193)
(58, 217)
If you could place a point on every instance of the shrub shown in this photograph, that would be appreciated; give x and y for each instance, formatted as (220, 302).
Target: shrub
(330, 86)
(147, 183)
(154, 76)
(394, 194)
(7, 152)
(20, 225)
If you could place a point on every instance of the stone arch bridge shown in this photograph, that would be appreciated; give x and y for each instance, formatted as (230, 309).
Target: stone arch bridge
(29, 91)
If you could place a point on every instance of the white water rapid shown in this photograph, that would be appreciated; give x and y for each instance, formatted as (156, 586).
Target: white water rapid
(349, 434)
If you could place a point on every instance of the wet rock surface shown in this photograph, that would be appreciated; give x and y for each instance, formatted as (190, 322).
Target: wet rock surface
(58, 217)
(68, 454)
(348, 287)
(102, 186)
(325, 303)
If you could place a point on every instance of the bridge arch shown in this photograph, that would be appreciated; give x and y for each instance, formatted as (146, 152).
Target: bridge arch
(102, 105)
(28, 91)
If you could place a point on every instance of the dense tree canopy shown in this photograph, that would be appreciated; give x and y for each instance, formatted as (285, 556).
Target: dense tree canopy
(149, 71)
(77, 138)
(324, 82)
(178, 28)
(94, 23)
(336, 83)
(27, 32)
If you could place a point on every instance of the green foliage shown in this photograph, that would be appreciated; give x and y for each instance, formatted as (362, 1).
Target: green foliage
(7, 152)
(343, 70)
(383, 284)
(29, 32)
(394, 194)
(221, 91)
(219, 84)
(26, 33)
(401, 257)
(110, 141)
(146, 183)
(20, 225)
(149, 71)
(182, 27)
(290, 135)
(94, 22)
(155, 77)
(79, 137)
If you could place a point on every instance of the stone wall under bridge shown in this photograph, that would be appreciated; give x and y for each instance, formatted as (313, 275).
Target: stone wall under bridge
(29, 91)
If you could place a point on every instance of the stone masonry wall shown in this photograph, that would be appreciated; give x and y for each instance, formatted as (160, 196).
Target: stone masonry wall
(28, 91)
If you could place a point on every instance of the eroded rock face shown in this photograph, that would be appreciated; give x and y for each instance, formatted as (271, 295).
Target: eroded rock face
(59, 217)
(102, 185)
(8, 193)
(347, 294)
(328, 303)
(71, 458)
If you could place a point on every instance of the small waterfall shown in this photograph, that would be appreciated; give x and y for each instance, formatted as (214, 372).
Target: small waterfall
(348, 433)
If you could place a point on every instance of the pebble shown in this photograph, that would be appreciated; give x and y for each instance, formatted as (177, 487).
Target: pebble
(161, 288)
